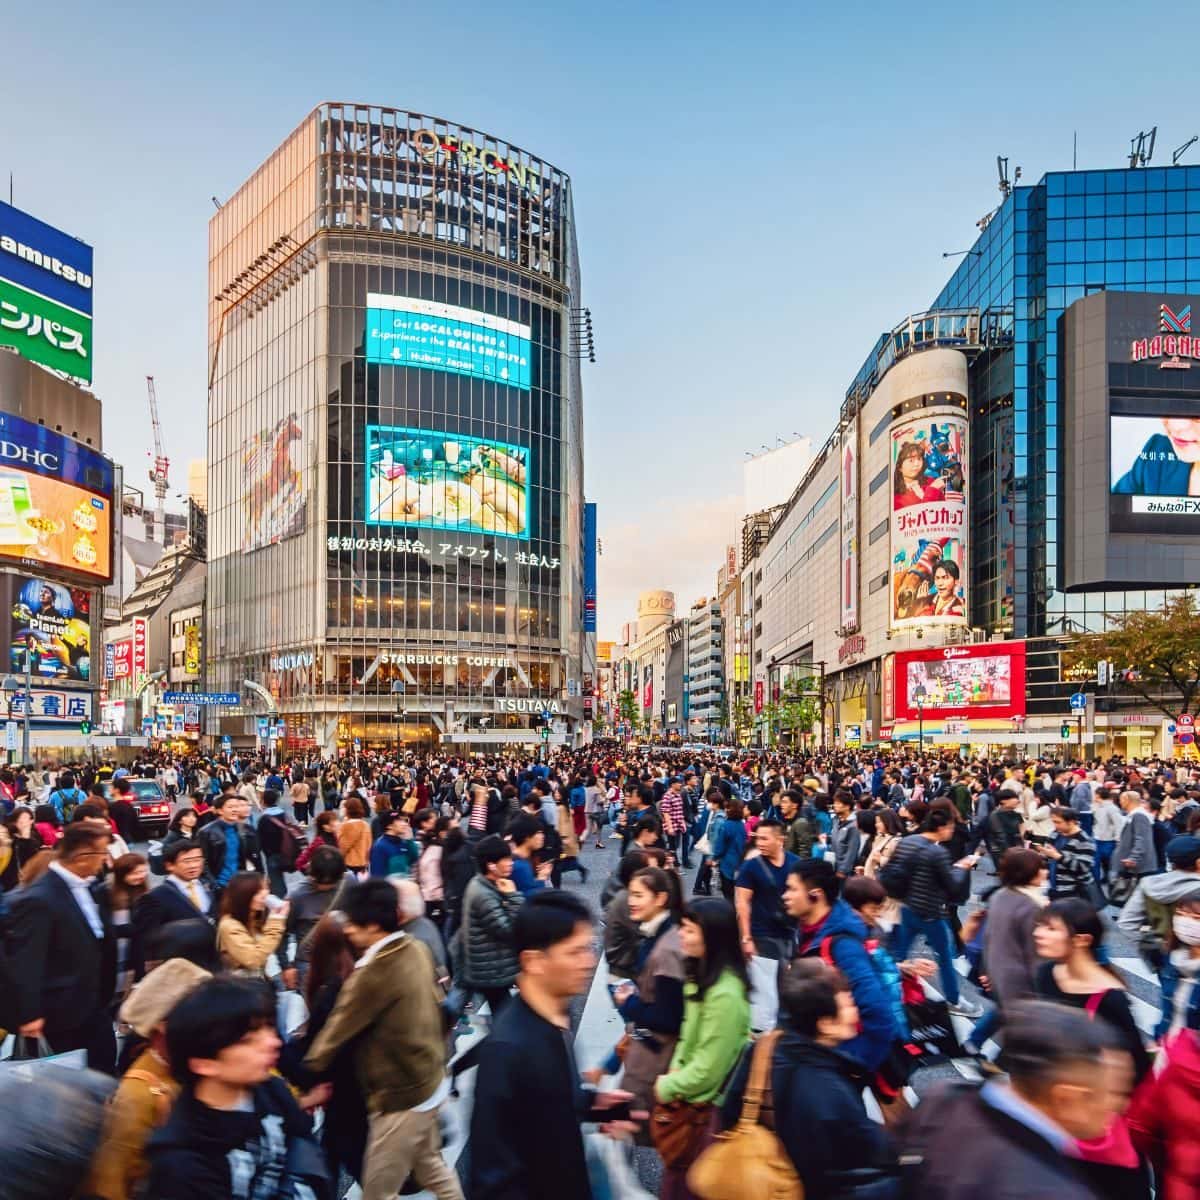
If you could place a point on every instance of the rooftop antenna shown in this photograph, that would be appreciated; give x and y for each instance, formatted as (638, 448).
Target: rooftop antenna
(1002, 171)
(1006, 187)
(1141, 148)
(1176, 155)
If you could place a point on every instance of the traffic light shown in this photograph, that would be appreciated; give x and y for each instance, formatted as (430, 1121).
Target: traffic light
(1065, 731)
(545, 732)
(85, 727)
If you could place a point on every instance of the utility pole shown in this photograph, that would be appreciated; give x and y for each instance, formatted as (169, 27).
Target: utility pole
(28, 700)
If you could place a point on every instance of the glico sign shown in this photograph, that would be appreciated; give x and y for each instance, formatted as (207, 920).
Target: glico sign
(450, 147)
(1173, 343)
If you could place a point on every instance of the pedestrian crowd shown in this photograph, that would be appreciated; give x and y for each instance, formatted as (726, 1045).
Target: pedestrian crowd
(287, 988)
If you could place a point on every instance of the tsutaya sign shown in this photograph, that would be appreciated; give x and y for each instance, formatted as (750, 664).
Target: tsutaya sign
(528, 704)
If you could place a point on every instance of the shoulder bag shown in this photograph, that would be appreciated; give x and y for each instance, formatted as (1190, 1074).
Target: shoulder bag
(748, 1161)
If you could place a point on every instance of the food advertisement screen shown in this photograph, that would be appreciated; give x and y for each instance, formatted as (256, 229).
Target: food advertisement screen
(55, 501)
(423, 478)
(56, 620)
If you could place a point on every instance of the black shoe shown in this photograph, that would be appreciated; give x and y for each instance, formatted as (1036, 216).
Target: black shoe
(584, 872)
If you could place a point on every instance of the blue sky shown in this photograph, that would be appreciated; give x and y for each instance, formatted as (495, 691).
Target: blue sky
(760, 190)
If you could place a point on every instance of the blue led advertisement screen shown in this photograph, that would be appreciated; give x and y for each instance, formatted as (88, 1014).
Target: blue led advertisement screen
(420, 477)
(406, 332)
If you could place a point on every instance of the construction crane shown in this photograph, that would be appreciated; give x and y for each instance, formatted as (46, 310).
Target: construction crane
(158, 473)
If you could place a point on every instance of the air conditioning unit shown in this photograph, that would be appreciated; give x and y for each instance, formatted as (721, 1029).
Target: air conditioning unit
(979, 635)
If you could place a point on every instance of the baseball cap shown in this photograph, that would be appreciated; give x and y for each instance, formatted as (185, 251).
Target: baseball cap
(811, 784)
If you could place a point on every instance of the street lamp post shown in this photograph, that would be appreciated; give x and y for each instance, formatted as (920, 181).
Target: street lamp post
(11, 686)
(919, 701)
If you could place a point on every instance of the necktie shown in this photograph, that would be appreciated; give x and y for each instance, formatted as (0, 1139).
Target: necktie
(194, 896)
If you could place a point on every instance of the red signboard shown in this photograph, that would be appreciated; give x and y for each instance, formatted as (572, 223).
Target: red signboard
(983, 680)
(122, 658)
(139, 646)
(758, 695)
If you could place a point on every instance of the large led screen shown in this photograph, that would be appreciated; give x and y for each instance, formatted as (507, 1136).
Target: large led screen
(1154, 473)
(55, 622)
(928, 522)
(960, 682)
(440, 480)
(406, 332)
(55, 501)
(275, 495)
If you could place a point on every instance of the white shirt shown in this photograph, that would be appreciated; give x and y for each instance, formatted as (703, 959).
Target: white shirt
(81, 891)
(201, 891)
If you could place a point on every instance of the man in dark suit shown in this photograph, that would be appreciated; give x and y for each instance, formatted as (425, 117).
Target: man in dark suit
(63, 953)
(184, 895)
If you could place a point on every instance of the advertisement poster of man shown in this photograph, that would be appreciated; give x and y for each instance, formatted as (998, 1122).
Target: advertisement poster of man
(928, 521)
(58, 621)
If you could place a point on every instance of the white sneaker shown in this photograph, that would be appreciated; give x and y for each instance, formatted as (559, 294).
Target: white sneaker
(967, 1008)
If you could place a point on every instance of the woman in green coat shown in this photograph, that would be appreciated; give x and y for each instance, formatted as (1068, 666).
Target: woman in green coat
(716, 1023)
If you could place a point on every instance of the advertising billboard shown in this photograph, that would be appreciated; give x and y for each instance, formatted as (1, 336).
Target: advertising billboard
(56, 621)
(405, 332)
(589, 567)
(423, 478)
(122, 658)
(275, 497)
(1154, 472)
(55, 501)
(45, 294)
(191, 648)
(984, 680)
(929, 521)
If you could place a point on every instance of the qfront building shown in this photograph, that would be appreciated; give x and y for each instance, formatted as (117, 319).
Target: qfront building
(1012, 467)
(396, 531)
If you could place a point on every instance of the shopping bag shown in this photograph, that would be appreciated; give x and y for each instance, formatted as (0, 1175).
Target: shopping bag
(291, 1013)
(931, 1029)
(764, 993)
(30, 1055)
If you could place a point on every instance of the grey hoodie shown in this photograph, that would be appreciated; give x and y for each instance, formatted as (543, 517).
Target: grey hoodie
(1166, 889)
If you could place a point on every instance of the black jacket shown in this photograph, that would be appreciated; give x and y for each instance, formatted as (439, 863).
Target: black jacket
(62, 971)
(212, 839)
(818, 1114)
(193, 1155)
(932, 881)
(525, 1138)
(160, 906)
(488, 958)
(457, 870)
(959, 1141)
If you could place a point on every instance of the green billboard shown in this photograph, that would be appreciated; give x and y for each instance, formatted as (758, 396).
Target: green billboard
(45, 332)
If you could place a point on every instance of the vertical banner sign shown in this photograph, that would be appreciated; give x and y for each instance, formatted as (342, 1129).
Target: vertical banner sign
(589, 568)
(648, 687)
(929, 521)
(849, 529)
(889, 687)
(758, 695)
(139, 647)
(110, 660)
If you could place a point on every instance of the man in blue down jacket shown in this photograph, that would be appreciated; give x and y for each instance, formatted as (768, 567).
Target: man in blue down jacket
(825, 920)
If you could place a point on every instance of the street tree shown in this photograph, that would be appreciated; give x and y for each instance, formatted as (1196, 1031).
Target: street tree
(1153, 655)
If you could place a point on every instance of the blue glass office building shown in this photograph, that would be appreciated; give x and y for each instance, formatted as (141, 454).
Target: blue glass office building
(1070, 235)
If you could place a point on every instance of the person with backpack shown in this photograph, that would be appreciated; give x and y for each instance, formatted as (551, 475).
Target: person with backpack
(816, 1091)
(829, 929)
(66, 798)
(920, 874)
(281, 841)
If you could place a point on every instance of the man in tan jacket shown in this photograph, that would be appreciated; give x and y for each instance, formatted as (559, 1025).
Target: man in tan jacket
(390, 1006)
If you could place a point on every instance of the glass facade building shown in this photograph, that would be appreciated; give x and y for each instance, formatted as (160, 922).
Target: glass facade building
(396, 438)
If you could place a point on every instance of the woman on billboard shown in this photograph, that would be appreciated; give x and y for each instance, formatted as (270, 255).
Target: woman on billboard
(1168, 464)
(909, 483)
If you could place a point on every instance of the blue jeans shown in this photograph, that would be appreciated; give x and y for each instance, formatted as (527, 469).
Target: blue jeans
(985, 1027)
(1103, 859)
(937, 934)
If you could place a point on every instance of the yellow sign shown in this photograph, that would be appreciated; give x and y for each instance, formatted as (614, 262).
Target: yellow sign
(191, 649)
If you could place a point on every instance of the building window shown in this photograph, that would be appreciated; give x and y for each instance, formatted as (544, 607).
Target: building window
(878, 481)
(877, 532)
(879, 429)
(876, 584)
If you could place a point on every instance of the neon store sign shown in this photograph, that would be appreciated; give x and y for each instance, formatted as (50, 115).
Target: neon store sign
(476, 160)
(1173, 343)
